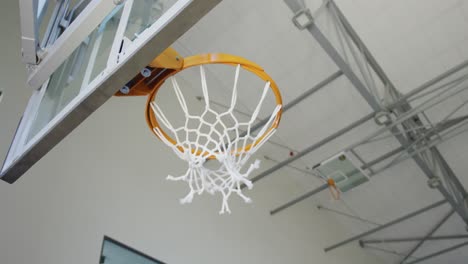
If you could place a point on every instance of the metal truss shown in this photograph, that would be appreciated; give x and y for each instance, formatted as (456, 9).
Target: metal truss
(418, 139)
(386, 225)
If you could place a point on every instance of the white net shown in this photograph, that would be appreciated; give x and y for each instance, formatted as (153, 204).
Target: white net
(231, 143)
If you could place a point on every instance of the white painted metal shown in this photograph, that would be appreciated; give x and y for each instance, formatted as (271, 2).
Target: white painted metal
(119, 35)
(29, 30)
(83, 25)
(176, 16)
(412, 43)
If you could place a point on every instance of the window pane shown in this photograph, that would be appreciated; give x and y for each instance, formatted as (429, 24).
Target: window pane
(114, 252)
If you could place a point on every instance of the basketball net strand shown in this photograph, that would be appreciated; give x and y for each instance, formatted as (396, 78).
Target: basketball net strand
(231, 153)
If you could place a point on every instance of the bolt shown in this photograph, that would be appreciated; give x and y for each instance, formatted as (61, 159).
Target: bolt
(382, 118)
(118, 2)
(434, 182)
(125, 90)
(361, 244)
(146, 72)
(1, 95)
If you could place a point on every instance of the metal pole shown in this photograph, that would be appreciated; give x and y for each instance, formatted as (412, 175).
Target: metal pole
(449, 174)
(298, 199)
(341, 63)
(431, 82)
(439, 252)
(384, 250)
(321, 207)
(382, 158)
(433, 230)
(298, 99)
(297, 7)
(313, 147)
(363, 48)
(411, 239)
(396, 221)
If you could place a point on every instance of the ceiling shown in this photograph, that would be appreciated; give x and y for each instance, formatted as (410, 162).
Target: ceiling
(412, 40)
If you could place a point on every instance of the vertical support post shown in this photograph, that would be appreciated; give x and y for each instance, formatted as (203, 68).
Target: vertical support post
(29, 30)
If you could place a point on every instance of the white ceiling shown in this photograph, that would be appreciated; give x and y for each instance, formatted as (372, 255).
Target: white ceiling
(412, 40)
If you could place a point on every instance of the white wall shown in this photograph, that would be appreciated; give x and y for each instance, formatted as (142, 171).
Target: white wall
(107, 178)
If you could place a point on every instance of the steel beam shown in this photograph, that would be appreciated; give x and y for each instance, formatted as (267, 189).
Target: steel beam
(438, 253)
(363, 48)
(382, 158)
(393, 252)
(411, 239)
(328, 47)
(320, 207)
(84, 24)
(29, 30)
(323, 187)
(299, 7)
(391, 223)
(452, 180)
(299, 99)
(161, 36)
(430, 83)
(313, 147)
(431, 232)
(298, 199)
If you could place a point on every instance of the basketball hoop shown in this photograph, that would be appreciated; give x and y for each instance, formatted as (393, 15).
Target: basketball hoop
(232, 153)
(335, 193)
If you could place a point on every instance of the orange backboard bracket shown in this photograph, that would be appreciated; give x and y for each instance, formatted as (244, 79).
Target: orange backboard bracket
(165, 63)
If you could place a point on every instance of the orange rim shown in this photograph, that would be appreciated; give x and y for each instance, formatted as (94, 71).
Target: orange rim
(335, 193)
(216, 58)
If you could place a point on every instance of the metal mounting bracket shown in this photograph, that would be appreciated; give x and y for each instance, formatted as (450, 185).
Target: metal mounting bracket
(303, 19)
(434, 182)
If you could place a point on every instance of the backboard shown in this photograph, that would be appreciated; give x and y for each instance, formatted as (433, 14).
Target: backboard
(343, 170)
(78, 54)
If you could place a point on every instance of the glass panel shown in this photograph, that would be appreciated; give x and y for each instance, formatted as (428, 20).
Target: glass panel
(144, 13)
(44, 14)
(103, 43)
(84, 64)
(114, 252)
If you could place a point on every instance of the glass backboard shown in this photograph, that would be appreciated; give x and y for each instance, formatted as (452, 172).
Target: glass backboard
(79, 53)
(346, 174)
